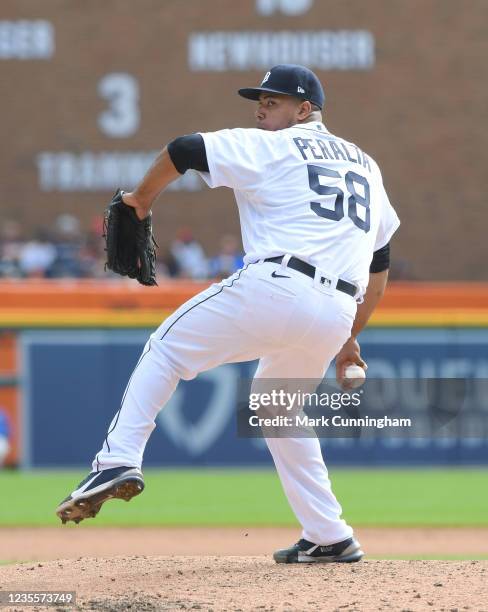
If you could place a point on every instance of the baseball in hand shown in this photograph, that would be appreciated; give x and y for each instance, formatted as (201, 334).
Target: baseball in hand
(354, 376)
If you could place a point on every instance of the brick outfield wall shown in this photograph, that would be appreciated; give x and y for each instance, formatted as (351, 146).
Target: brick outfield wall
(420, 112)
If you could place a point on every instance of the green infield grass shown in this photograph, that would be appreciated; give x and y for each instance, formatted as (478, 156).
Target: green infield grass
(369, 497)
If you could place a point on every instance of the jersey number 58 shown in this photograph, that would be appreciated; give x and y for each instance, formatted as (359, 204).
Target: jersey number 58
(337, 213)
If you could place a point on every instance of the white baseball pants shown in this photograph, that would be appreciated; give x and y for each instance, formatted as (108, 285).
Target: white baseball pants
(291, 326)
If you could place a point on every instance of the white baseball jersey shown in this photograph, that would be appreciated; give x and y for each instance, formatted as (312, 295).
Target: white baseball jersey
(306, 192)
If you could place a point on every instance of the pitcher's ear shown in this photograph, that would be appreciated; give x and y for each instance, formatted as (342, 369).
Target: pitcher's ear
(304, 109)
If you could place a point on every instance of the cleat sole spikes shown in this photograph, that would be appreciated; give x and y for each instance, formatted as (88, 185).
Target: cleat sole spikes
(88, 507)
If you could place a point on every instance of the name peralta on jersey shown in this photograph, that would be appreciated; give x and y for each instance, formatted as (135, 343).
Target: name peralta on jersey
(306, 192)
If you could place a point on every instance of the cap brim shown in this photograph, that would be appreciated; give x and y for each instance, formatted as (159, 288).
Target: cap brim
(253, 93)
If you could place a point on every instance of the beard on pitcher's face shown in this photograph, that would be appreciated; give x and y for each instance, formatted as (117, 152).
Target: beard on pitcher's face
(277, 111)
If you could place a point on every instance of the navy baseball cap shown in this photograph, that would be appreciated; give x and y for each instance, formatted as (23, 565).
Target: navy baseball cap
(291, 80)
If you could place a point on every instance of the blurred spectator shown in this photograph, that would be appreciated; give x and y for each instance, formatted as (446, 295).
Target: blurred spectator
(68, 242)
(66, 251)
(37, 256)
(168, 263)
(4, 436)
(92, 254)
(228, 260)
(189, 256)
(10, 247)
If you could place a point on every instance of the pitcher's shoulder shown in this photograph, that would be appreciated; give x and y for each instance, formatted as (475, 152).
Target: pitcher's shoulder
(248, 134)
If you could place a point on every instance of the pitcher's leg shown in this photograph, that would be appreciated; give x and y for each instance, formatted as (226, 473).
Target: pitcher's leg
(150, 386)
(201, 334)
(307, 487)
(299, 461)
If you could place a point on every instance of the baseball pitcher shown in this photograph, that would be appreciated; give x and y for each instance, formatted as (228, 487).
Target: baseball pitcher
(316, 226)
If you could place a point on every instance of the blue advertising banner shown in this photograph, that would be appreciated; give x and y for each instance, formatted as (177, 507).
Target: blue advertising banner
(73, 381)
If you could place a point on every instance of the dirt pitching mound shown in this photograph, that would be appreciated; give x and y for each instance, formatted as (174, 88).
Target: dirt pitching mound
(255, 583)
(85, 540)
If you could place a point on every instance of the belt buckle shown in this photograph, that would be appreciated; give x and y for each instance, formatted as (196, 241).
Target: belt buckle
(325, 282)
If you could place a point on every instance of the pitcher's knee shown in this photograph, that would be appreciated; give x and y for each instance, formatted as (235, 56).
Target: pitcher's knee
(172, 360)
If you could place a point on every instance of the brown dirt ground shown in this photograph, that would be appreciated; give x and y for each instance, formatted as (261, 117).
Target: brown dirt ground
(231, 569)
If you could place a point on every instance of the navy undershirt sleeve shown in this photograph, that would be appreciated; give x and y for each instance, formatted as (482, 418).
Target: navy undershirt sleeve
(381, 259)
(188, 153)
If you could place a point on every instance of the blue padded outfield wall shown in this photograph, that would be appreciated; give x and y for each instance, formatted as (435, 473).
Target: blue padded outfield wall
(72, 383)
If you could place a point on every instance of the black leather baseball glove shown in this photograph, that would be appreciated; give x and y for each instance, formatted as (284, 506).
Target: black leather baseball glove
(130, 244)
